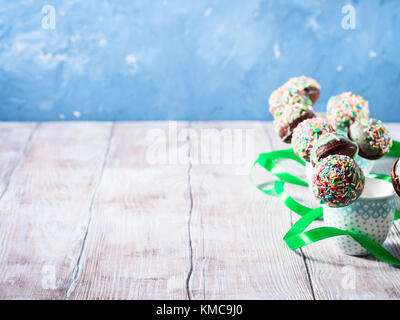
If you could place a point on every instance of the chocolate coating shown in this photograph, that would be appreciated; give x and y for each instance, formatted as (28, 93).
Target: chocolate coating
(331, 144)
(312, 93)
(369, 156)
(373, 143)
(285, 130)
(307, 133)
(395, 175)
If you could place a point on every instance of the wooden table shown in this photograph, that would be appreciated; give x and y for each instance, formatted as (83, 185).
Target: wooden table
(151, 210)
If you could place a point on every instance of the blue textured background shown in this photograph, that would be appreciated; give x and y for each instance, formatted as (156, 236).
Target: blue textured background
(191, 60)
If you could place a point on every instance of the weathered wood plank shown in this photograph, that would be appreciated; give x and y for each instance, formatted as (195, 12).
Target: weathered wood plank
(137, 245)
(14, 140)
(337, 276)
(44, 212)
(236, 230)
(86, 216)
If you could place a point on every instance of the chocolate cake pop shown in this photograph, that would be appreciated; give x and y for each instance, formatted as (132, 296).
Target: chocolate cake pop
(307, 86)
(305, 135)
(290, 118)
(300, 90)
(371, 137)
(345, 108)
(395, 175)
(331, 143)
(284, 98)
(337, 181)
(281, 109)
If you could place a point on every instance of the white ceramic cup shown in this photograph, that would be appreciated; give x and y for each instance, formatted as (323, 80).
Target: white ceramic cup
(371, 215)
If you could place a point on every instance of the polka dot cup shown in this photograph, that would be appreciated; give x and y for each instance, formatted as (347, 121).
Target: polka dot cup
(371, 215)
(365, 165)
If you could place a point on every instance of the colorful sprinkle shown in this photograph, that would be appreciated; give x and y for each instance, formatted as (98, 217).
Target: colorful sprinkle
(377, 135)
(291, 113)
(306, 133)
(290, 93)
(337, 181)
(345, 108)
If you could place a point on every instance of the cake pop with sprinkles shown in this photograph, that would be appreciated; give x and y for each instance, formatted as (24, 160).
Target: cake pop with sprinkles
(395, 176)
(344, 109)
(305, 135)
(372, 138)
(299, 90)
(308, 87)
(337, 181)
(290, 118)
(284, 98)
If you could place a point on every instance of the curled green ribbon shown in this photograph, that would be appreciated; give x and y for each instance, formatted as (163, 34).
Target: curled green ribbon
(297, 237)
(269, 161)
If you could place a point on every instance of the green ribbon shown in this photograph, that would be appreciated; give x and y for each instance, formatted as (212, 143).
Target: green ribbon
(395, 149)
(278, 191)
(297, 237)
(269, 161)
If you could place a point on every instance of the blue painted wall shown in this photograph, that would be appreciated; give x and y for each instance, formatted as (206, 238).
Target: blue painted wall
(191, 60)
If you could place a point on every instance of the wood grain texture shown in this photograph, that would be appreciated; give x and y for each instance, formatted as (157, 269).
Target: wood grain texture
(15, 138)
(237, 231)
(44, 211)
(153, 210)
(338, 276)
(138, 245)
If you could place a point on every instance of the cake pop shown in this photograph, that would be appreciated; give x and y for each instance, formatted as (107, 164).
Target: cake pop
(337, 181)
(345, 108)
(372, 138)
(290, 118)
(395, 175)
(305, 135)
